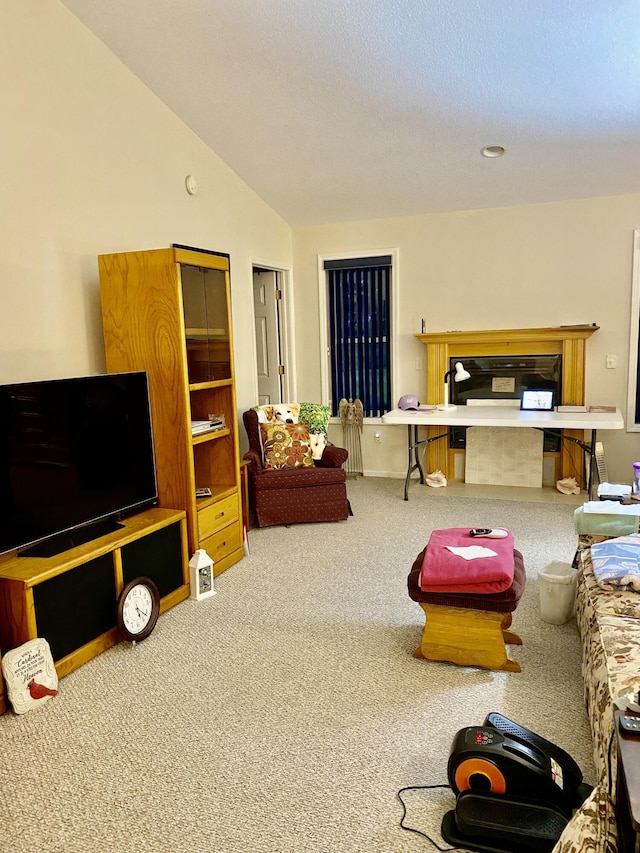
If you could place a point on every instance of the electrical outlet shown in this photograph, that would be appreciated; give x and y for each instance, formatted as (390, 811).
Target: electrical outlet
(377, 437)
(611, 361)
(419, 363)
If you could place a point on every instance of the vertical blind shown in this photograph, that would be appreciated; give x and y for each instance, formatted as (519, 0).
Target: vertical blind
(359, 332)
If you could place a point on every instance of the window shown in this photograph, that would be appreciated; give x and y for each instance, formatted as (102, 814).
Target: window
(359, 331)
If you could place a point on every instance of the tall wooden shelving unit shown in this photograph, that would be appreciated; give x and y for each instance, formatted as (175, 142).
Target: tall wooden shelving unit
(168, 311)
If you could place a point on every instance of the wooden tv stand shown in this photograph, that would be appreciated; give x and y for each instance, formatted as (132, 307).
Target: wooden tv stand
(70, 598)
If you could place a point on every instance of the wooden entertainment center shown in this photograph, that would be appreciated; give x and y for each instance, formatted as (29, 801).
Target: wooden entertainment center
(166, 312)
(70, 599)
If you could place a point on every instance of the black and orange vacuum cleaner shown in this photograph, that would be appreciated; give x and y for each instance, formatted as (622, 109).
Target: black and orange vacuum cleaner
(515, 790)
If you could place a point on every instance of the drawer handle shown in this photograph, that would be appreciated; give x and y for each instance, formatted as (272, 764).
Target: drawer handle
(220, 515)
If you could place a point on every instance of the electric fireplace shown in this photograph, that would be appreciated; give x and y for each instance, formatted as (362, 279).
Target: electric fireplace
(502, 363)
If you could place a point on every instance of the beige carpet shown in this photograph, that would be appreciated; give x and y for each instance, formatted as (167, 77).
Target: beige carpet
(285, 712)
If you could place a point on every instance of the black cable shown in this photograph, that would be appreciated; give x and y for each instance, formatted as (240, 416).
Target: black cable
(419, 831)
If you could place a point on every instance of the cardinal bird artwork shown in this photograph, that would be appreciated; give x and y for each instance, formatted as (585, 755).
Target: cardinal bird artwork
(30, 675)
(38, 691)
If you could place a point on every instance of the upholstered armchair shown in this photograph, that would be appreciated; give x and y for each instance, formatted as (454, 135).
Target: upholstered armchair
(299, 489)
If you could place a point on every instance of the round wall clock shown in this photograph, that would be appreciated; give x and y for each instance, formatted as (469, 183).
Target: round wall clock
(138, 609)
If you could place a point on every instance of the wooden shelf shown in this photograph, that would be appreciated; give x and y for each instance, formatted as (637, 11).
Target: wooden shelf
(205, 334)
(151, 302)
(211, 435)
(214, 383)
(217, 493)
(31, 571)
(70, 598)
(507, 337)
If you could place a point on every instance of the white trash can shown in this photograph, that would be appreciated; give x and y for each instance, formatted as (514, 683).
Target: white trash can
(558, 583)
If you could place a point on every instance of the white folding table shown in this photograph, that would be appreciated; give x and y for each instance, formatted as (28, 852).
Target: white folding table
(498, 416)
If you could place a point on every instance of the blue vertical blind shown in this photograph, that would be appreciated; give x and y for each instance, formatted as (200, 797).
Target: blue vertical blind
(360, 332)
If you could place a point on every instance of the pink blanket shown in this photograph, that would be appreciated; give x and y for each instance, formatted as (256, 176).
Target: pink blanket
(444, 571)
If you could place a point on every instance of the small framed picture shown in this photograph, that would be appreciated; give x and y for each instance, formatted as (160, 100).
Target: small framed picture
(30, 675)
(201, 575)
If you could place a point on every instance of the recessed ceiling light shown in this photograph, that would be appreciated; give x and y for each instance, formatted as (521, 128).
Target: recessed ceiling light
(493, 151)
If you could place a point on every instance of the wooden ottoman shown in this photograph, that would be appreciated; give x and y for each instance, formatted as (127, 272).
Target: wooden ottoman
(469, 629)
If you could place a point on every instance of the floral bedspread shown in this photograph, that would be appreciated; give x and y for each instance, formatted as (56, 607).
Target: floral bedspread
(609, 625)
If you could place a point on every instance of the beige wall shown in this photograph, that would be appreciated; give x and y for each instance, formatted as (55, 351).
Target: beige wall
(536, 265)
(93, 162)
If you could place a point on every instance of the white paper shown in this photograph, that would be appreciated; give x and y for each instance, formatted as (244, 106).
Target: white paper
(471, 552)
(614, 489)
(611, 508)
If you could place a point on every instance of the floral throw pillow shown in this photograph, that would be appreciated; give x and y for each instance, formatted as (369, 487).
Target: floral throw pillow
(286, 446)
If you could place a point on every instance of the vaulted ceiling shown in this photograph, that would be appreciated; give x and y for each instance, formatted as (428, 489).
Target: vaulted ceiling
(343, 110)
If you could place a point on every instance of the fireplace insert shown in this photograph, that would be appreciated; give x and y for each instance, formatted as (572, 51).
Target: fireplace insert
(504, 378)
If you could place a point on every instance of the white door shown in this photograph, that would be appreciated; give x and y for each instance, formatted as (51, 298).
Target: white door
(266, 302)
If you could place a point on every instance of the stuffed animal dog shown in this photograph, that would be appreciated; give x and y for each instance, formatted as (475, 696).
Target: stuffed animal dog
(281, 413)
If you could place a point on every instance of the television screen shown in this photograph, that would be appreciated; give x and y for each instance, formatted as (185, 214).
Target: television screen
(73, 452)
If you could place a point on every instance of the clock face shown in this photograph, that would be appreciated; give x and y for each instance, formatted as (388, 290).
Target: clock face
(138, 609)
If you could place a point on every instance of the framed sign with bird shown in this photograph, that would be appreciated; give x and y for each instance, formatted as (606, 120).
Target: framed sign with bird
(30, 675)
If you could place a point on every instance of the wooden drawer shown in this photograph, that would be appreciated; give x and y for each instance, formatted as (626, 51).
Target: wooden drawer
(224, 542)
(216, 516)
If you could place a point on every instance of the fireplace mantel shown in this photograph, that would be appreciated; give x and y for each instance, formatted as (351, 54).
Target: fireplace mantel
(569, 341)
(552, 333)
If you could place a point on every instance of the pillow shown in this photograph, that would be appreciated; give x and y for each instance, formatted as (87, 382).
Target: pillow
(280, 413)
(285, 446)
(616, 562)
(316, 415)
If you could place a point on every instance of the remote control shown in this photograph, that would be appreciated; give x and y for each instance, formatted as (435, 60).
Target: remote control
(630, 725)
(489, 532)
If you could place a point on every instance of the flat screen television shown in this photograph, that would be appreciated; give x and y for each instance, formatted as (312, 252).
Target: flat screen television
(75, 456)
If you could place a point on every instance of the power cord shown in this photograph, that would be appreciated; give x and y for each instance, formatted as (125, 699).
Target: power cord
(419, 831)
